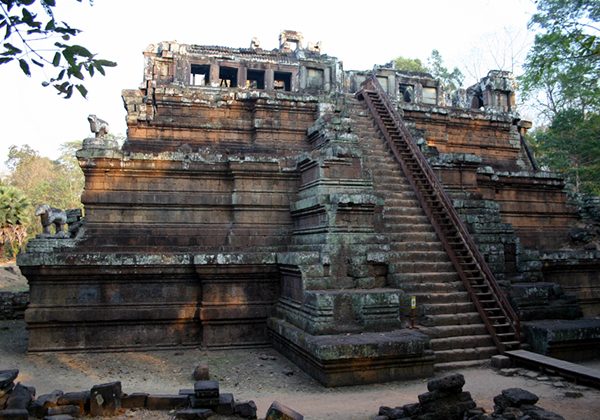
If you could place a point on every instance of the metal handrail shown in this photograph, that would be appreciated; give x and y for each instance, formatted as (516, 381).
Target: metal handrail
(443, 198)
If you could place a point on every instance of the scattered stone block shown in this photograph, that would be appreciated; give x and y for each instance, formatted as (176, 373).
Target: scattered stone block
(201, 373)
(517, 397)
(135, 400)
(508, 372)
(39, 407)
(500, 361)
(186, 391)
(196, 402)
(573, 394)
(278, 411)
(450, 383)
(226, 405)
(559, 384)
(14, 414)
(194, 413)
(80, 399)
(7, 377)
(59, 417)
(105, 399)
(392, 413)
(71, 410)
(19, 398)
(166, 401)
(206, 389)
(246, 409)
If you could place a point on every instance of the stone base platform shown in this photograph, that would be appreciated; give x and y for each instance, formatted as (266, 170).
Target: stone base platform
(572, 340)
(353, 359)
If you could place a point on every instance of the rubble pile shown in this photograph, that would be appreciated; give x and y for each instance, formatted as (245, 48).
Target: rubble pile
(204, 400)
(446, 400)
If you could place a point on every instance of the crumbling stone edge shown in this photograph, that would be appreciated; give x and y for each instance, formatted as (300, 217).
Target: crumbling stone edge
(204, 400)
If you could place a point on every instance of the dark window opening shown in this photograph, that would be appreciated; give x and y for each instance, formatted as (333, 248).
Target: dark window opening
(200, 74)
(477, 102)
(228, 77)
(282, 81)
(255, 79)
(315, 79)
(407, 92)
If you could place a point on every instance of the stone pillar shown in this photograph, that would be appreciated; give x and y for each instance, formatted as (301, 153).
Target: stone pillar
(269, 78)
(242, 76)
(213, 79)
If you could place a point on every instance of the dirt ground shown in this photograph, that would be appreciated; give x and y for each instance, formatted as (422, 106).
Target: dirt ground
(264, 376)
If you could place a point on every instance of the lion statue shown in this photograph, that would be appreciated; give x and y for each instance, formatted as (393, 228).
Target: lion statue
(51, 216)
(98, 126)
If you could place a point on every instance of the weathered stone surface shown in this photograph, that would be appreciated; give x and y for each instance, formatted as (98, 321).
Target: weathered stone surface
(80, 399)
(206, 389)
(134, 400)
(246, 409)
(165, 401)
(14, 414)
(501, 362)
(105, 399)
(201, 373)
(7, 377)
(516, 397)
(193, 413)
(278, 411)
(226, 405)
(39, 407)
(71, 410)
(19, 398)
(449, 383)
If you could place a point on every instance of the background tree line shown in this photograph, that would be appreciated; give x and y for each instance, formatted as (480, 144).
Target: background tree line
(32, 180)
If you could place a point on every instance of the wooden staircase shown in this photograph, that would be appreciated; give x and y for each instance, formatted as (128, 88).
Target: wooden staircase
(460, 291)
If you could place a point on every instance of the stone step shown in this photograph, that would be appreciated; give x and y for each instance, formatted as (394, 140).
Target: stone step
(401, 211)
(420, 267)
(436, 256)
(444, 331)
(450, 319)
(412, 237)
(429, 246)
(404, 279)
(432, 287)
(462, 342)
(465, 364)
(404, 218)
(465, 354)
(447, 308)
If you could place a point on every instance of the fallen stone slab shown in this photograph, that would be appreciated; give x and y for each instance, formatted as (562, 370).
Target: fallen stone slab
(135, 400)
(201, 373)
(105, 399)
(81, 399)
(246, 409)
(7, 377)
(71, 410)
(39, 407)
(226, 405)
(278, 411)
(206, 389)
(450, 383)
(517, 397)
(166, 401)
(194, 413)
(19, 398)
(14, 414)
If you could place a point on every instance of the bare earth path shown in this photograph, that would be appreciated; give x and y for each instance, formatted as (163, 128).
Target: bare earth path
(262, 375)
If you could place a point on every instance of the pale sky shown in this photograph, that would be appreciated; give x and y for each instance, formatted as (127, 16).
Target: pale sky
(360, 34)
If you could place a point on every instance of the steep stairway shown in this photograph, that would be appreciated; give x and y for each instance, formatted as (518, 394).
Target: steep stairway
(432, 254)
(418, 263)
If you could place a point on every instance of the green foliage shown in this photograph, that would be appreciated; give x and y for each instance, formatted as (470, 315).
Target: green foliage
(14, 208)
(452, 79)
(58, 183)
(29, 22)
(564, 62)
(409, 64)
(571, 146)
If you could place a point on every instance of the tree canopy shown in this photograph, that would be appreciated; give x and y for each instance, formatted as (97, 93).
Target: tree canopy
(452, 79)
(35, 38)
(564, 65)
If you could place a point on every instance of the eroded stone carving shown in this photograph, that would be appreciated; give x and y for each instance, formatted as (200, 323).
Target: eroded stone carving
(52, 216)
(98, 126)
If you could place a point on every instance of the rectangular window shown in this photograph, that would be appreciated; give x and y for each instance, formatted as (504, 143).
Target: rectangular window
(430, 95)
(228, 76)
(255, 79)
(383, 81)
(315, 79)
(282, 81)
(407, 93)
(200, 74)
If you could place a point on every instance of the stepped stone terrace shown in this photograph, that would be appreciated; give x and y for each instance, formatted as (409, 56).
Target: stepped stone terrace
(269, 197)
